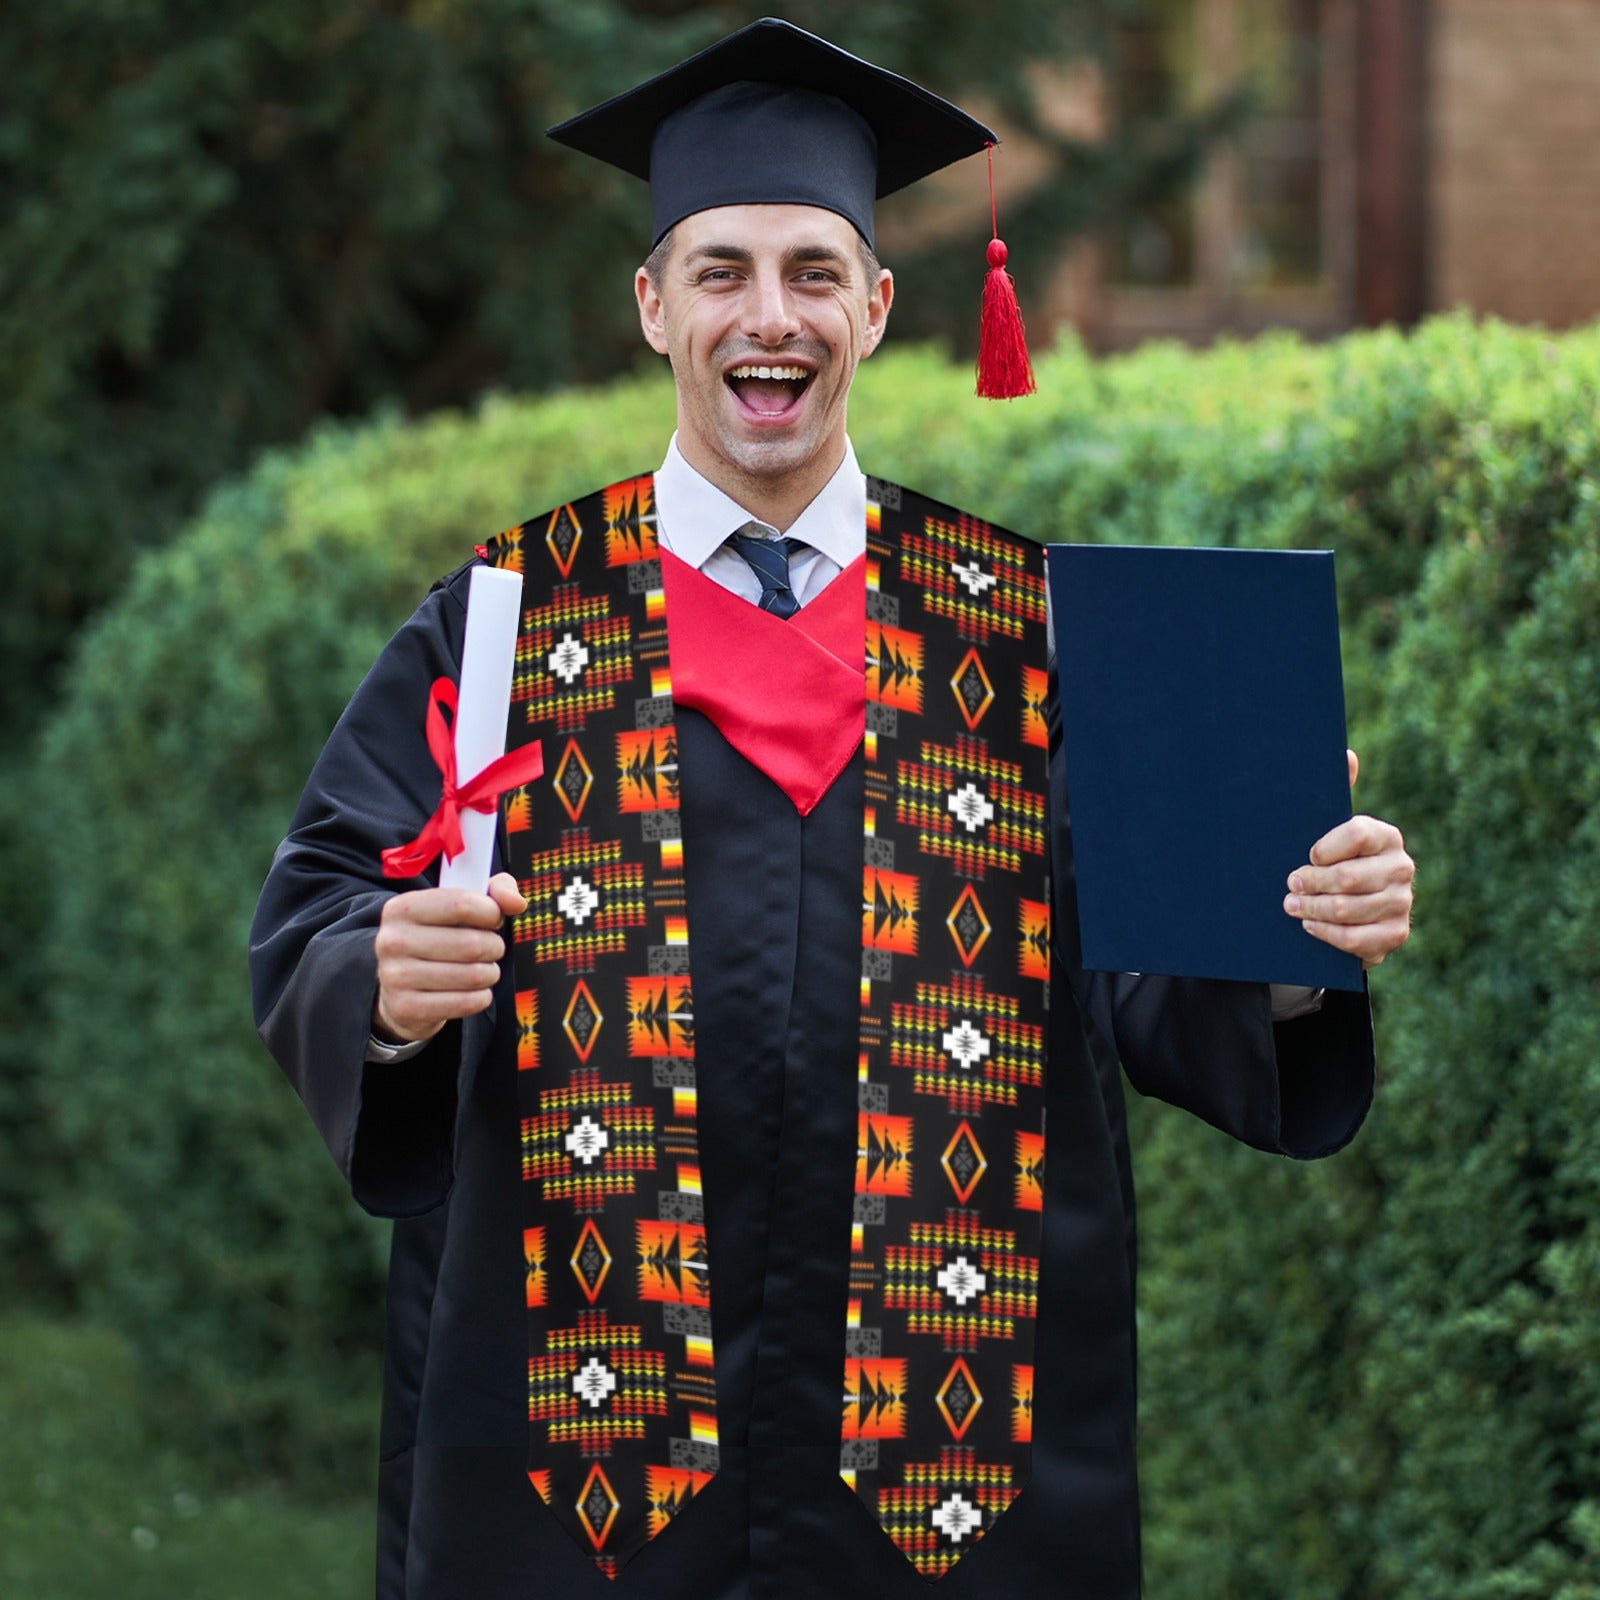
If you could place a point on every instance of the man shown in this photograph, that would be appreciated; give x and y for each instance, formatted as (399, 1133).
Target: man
(760, 1101)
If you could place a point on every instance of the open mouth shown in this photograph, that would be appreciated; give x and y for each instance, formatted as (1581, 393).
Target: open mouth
(769, 391)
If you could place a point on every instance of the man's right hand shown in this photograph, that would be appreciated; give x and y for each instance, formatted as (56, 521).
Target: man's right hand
(439, 957)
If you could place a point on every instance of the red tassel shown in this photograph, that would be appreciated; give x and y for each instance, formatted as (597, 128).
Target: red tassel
(1004, 370)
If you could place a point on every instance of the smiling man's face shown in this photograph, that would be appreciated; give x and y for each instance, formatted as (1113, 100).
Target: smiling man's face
(764, 311)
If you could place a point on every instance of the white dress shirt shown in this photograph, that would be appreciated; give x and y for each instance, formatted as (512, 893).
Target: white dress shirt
(694, 518)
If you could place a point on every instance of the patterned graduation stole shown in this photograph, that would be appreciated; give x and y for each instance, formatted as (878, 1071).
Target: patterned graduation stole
(938, 1375)
(938, 1417)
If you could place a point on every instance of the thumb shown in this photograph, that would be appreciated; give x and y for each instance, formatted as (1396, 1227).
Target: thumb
(1354, 762)
(504, 892)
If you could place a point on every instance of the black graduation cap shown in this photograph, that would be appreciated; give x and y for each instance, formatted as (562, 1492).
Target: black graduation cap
(774, 115)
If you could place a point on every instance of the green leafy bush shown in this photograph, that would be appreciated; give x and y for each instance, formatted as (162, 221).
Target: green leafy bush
(1376, 1377)
(191, 1206)
(1370, 1378)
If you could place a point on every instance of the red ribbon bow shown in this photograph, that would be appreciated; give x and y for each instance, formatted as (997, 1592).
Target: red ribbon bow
(442, 831)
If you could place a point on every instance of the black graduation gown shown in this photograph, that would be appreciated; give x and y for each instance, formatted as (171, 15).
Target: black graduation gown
(774, 906)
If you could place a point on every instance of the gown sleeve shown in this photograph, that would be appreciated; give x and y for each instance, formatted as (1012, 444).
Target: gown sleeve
(313, 966)
(1300, 1088)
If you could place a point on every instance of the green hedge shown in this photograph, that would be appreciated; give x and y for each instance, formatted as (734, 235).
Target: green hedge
(192, 1205)
(1374, 1377)
(1378, 1377)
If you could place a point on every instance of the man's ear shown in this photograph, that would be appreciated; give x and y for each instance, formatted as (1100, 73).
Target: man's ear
(878, 303)
(652, 315)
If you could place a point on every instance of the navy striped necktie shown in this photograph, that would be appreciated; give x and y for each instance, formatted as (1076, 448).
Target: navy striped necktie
(769, 560)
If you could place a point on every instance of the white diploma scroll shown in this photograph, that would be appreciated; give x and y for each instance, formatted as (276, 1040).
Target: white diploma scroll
(494, 605)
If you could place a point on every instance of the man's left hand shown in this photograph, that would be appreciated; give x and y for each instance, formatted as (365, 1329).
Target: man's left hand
(1355, 893)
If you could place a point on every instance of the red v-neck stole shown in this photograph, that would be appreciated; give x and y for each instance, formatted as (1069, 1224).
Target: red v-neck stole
(789, 696)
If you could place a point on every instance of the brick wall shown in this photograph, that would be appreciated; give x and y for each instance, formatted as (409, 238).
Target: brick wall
(1514, 162)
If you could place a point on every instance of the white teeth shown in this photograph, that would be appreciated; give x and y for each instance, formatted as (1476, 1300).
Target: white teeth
(796, 374)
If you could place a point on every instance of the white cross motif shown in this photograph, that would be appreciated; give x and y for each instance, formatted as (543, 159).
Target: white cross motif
(971, 806)
(586, 1140)
(592, 1383)
(577, 901)
(962, 1281)
(569, 658)
(965, 1045)
(955, 1518)
(974, 577)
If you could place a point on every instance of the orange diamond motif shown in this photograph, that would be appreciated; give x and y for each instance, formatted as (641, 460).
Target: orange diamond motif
(968, 926)
(964, 1162)
(582, 1022)
(972, 689)
(573, 780)
(958, 1398)
(598, 1506)
(562, 536)
(591, 1261)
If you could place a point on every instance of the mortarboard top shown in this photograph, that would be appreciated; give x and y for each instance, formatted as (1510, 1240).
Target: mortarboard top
(774, 115)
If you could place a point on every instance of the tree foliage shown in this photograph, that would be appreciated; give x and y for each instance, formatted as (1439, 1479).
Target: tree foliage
(218, 224)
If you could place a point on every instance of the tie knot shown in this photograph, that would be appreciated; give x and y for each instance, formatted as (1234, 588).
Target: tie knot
(768, 558)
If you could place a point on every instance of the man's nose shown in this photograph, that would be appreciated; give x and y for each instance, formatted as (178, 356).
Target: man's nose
(772, 319)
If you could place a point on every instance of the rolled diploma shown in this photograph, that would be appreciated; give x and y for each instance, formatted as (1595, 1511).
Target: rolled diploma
(494, 604)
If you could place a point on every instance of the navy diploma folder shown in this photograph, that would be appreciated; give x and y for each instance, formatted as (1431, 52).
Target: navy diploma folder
(1202, 713)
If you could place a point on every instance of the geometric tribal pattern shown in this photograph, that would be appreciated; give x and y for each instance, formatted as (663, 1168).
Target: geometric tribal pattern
(938, 1383)
(621, 1392)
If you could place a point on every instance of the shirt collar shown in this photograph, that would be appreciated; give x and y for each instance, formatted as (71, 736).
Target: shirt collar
(694, 517)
